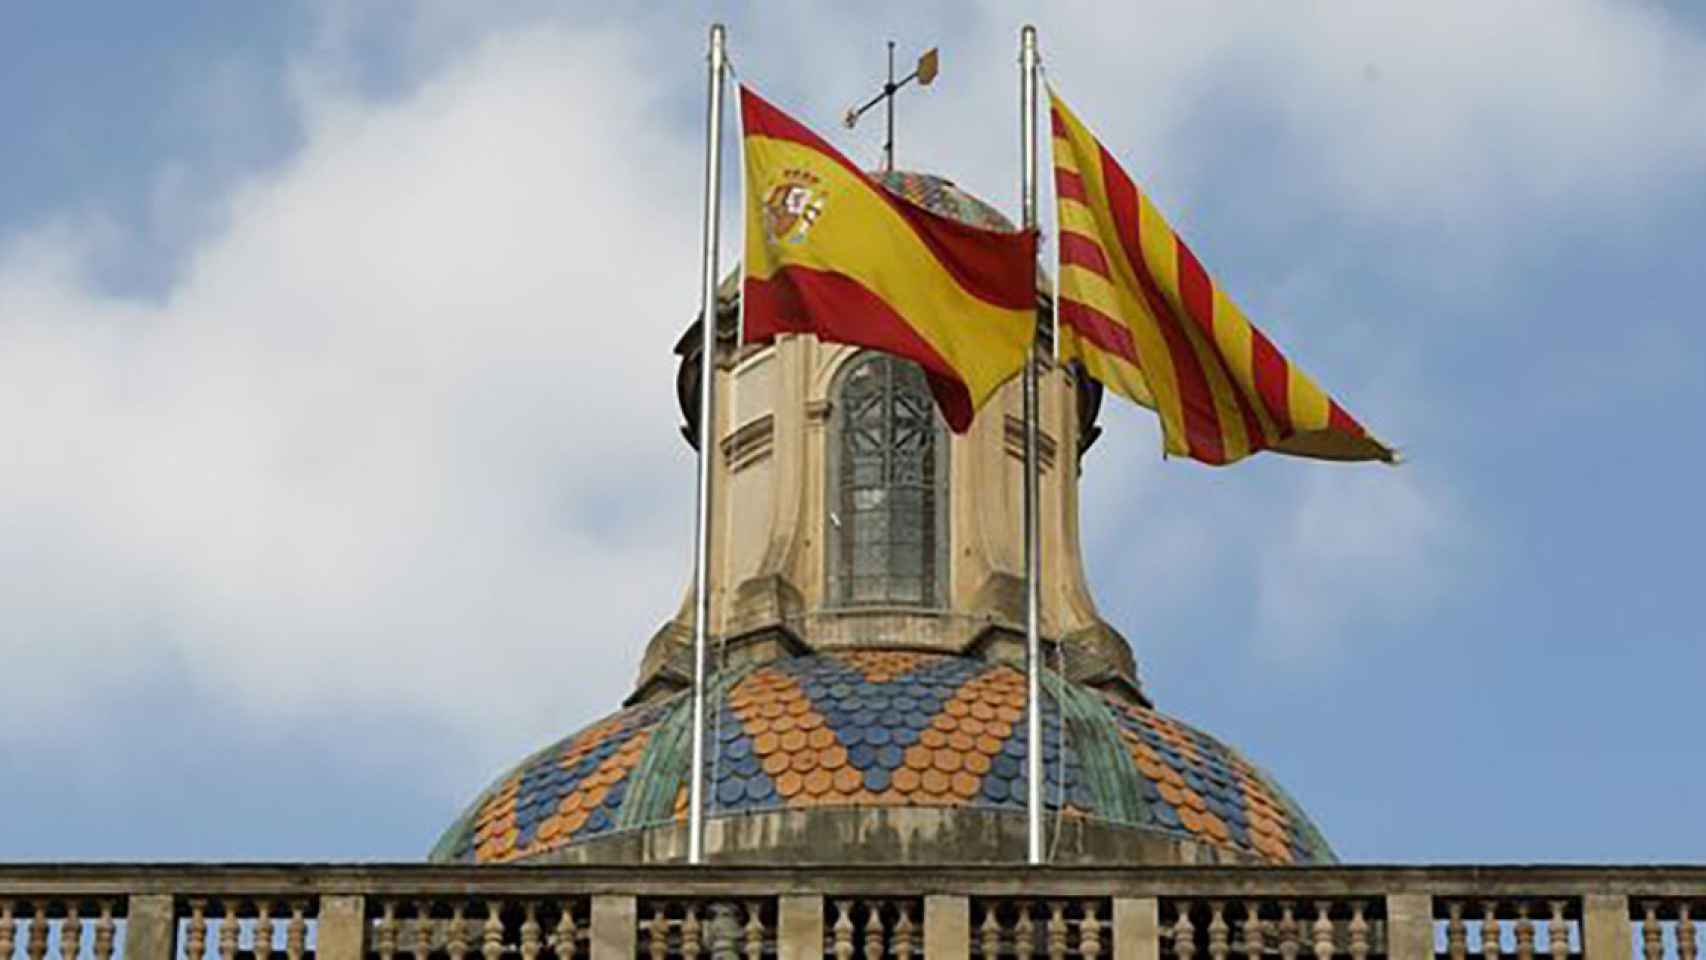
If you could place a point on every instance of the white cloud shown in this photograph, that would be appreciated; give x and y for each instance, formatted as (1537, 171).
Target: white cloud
(1289, 558)
(402, 436)
(1358, 553)
(1459, 115)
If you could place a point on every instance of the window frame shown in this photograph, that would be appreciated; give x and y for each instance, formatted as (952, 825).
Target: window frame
(838, 592)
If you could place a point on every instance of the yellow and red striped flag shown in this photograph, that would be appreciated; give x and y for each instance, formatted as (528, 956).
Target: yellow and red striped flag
(830, 252)
(1142, 315)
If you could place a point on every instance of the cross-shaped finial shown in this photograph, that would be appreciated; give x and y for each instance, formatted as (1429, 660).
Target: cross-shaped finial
(924, 73)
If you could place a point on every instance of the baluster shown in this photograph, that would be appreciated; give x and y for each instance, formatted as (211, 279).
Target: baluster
(296, 932)
(873, 930)
(1184, 934)
(263, 930)
(1359, 931)
(1558, 932)
(754, 930)
(388, 931)
(843, 930)
(1491, 948)
(722, 930)
(657, 933)
(1290, 932)
(1254, 941)
(456, 935)
(195, 932)
(902, 947)
(1652, 934)
(1323, 930)
(1056, 930)
(1687, 947)
(1218, 944)
(423, 930)
(532, 940)
(1524, 933)
(1090, 932)
(690, 931)
(229, 927)
(1024, 933)
(492, 931)
(991, 932)
(70, 933)
(7, 941)
(106, 931)
(35, 947)
(1456, 932)
(563, 939)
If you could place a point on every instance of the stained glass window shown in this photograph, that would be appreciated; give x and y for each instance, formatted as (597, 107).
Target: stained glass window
(888, 491)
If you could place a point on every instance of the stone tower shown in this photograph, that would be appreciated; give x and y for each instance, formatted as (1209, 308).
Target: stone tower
(867, 702)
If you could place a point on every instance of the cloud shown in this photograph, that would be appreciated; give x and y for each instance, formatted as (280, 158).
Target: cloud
(1287, 559)
(1357, 552)
(400, 436)
(1447, 113)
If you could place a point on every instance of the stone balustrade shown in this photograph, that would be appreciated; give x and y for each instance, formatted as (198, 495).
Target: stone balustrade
(415, 912)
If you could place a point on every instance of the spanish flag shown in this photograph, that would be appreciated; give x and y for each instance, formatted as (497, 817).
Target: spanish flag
(1144, 317)
(830, 252)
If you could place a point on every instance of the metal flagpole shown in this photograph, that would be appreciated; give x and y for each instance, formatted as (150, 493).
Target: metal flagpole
(1033, 546)
(707, 371)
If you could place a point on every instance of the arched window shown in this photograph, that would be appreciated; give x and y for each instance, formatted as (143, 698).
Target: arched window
(888, 493)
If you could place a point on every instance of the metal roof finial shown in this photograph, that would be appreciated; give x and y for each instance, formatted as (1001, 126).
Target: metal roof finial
(924, 73)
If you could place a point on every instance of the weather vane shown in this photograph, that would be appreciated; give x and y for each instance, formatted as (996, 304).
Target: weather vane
(924, 73)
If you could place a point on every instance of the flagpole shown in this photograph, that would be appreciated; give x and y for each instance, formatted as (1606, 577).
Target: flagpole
(1033, 546)
(707, 371)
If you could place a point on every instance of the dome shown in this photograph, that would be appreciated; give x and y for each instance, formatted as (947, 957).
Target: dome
(939, 195)
(869, 735)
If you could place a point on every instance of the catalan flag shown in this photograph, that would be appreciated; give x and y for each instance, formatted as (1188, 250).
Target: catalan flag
(1142, 315)
(830, 252)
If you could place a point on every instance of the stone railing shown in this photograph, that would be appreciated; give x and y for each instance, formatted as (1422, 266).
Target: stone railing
(297, 912)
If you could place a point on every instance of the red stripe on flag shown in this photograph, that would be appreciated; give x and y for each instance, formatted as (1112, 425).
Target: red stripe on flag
(1068, 185)
(1339, 420)
(838, 308)
(1202, 421)
(996, 266)
(1197, 292)
(1100, 329)
(1056, 123)
(1078, 250)
(1273, 378)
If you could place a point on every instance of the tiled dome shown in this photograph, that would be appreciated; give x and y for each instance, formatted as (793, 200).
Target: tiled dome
(867, 729)
(939, 195)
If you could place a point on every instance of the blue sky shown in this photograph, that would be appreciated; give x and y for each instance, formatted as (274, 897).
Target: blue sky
(337, 402)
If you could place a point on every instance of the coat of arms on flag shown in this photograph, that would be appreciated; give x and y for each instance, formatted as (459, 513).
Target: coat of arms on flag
(792, 206)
